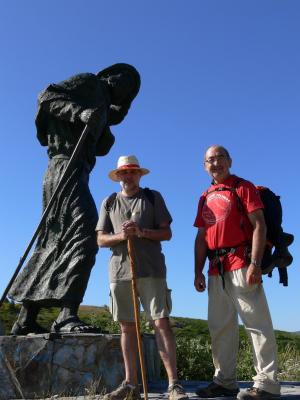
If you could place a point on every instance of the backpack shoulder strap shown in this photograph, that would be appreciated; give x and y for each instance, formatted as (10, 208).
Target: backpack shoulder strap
(232, 188)
(110, 202)
(202, 201)
(239, 201)
(150, 195)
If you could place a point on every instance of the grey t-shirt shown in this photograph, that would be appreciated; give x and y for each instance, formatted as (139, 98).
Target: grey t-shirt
(149, 259)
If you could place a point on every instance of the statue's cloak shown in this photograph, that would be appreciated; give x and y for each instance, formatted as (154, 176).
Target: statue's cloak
(59, 268)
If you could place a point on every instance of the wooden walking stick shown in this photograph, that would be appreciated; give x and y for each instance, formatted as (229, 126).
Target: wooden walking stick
(136, 316)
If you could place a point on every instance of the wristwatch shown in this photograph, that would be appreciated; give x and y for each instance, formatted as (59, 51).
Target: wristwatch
(255, 263)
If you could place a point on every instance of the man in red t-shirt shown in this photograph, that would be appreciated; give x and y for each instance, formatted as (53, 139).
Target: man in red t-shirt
(232, 233)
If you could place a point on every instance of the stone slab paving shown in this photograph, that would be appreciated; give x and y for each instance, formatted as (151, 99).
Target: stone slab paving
(289, 390)
(157, 391)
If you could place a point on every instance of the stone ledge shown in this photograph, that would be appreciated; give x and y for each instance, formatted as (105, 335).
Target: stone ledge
(41, 366)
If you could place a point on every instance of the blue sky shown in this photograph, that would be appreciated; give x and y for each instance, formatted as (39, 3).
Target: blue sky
(212, 71)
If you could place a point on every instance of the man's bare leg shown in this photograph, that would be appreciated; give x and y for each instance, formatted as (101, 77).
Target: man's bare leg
(129, 351)
(129, 388)
(167, 347)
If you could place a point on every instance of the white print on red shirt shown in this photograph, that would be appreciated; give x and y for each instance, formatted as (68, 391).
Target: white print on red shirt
(216, 208)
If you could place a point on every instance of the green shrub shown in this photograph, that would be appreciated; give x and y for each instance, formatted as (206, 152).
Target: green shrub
(101, 320)
(289, 363)
(194, 359)
(245, 368)
(8, 314)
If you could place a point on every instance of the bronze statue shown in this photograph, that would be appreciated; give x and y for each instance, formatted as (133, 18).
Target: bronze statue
(58, 271)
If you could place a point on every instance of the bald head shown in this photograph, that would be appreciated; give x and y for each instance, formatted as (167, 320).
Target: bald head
(217, 163)
(218, 148)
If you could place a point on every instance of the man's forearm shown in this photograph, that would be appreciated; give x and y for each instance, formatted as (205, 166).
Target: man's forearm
(109, 240)
(159, 234)
(258, 244)
(258, 236)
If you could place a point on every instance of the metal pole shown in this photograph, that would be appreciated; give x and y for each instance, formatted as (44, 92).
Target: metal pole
(137, 317)
(47, 209)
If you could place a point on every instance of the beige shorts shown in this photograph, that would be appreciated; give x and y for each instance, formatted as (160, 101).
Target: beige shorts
(154, 296)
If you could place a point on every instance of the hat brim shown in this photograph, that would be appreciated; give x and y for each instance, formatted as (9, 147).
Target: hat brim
(114, 173)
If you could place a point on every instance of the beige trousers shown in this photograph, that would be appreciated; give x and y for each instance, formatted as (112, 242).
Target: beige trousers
(250, 303)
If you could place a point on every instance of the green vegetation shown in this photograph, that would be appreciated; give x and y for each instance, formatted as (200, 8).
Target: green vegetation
(192, 338)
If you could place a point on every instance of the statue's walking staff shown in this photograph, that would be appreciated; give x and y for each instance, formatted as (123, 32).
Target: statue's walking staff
(69, 166)
(136, 316)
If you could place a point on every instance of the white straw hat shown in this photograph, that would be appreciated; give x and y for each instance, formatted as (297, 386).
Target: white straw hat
(127, 162)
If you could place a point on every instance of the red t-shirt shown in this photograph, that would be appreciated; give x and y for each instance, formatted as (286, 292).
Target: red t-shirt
(225, 225)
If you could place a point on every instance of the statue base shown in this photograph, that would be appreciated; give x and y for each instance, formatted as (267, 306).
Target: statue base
(40, 366)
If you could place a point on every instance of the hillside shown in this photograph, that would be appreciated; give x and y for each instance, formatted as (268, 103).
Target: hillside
(100, 317)
(192, 341)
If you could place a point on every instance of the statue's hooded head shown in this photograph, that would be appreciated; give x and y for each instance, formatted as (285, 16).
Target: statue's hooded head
(124, 82)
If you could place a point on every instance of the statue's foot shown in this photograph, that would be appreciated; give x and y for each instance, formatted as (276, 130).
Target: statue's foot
(35, 328)
(73, 325)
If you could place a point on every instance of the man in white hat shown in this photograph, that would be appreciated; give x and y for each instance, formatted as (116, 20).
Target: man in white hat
(139, 214)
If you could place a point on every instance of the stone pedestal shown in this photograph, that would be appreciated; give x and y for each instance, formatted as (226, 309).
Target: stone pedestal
(45, 365)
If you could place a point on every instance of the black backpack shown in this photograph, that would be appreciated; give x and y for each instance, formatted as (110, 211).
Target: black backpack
(272, 213)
